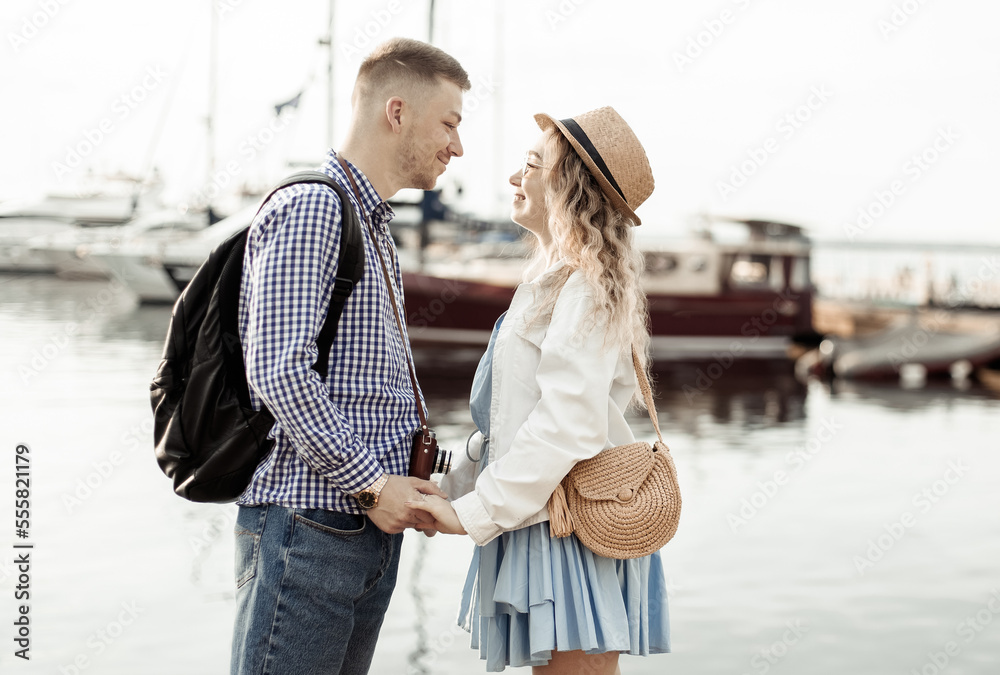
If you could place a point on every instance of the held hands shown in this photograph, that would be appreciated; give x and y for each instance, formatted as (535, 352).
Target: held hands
(444, 517)
(394, 512)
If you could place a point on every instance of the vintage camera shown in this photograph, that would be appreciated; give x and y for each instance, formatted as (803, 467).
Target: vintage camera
(425, 456)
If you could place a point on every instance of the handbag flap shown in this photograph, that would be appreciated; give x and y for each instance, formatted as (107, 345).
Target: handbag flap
(616, 473)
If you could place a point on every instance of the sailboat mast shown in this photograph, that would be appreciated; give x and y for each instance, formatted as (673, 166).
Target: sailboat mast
(498, 113)
(329, 81)
(213, 68)
(425, 226)
(430, 23)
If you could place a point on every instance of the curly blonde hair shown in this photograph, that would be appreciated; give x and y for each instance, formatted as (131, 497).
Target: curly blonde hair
(597, 239)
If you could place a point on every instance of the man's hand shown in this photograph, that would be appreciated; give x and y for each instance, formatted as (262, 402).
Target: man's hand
(392, 516)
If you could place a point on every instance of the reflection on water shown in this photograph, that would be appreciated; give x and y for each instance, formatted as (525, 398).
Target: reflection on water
(935, 394)
(827, 529)
(753, 393)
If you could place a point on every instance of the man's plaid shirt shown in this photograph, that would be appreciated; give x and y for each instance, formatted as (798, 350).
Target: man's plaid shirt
(335, 438)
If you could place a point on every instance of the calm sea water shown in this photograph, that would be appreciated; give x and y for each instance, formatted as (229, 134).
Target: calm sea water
(844, 530)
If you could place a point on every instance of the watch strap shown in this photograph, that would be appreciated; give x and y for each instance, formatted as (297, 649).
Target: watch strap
(372, 492)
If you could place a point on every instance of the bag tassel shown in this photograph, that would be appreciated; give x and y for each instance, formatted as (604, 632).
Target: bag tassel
(560, 519)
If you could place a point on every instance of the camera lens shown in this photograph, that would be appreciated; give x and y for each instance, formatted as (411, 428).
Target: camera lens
(442, 461)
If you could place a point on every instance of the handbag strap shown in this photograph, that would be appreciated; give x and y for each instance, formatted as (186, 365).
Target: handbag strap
(392, 295)
(647, 393)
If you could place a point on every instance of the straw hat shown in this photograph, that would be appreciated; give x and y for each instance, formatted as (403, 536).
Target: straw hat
(611, 151)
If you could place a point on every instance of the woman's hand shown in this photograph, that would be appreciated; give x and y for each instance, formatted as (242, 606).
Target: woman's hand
(445, 518)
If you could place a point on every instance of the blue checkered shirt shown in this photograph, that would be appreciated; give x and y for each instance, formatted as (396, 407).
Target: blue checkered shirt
(335, 438)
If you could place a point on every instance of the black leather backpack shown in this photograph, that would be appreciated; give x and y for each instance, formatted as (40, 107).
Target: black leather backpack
(208, 438)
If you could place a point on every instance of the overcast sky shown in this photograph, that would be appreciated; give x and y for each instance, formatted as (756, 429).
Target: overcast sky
(862, 119)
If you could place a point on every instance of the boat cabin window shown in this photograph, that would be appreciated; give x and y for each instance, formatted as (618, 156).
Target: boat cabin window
(777, 273)
(758, 271)
(748, 273)
(660, 263)
(670, 263)
(800, 274)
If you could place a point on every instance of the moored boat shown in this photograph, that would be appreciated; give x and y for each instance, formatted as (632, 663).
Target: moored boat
(69, 251)
(909, 350)
(707, 298)
(118, 199)
(156, 271)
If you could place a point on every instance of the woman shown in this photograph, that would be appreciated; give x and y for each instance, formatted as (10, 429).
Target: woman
(551, 390)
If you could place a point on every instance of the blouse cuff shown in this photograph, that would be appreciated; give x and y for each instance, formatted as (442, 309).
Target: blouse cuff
(475, 520)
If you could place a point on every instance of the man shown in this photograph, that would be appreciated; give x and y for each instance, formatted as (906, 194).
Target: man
(320, 526)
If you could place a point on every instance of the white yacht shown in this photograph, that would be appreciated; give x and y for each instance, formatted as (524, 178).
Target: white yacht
(156, 271)
(68, 251)
(116, 200)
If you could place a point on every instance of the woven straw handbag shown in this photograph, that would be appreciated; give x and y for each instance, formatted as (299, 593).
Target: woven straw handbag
(625, 502)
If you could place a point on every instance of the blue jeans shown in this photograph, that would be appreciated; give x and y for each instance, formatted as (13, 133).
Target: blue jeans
(312, 587)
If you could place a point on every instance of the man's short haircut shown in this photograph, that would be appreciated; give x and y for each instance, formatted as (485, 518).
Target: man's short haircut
(405, 61)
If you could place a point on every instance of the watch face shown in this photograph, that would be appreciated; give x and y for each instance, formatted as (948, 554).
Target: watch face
(367, 500)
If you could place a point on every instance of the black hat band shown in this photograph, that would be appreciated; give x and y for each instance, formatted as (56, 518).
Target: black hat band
(581, 137)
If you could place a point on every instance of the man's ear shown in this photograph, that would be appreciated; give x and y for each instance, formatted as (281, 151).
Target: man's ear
(394, 113)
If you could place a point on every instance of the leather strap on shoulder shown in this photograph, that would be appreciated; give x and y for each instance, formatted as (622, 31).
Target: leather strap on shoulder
(392, 295)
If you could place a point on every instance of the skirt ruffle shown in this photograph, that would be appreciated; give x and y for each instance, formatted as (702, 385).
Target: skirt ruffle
(528, 594)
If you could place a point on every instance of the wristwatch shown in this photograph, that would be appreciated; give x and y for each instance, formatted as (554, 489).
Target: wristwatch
(368, 498)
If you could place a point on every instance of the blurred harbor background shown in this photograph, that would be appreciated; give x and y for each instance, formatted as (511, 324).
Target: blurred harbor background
(823, 268)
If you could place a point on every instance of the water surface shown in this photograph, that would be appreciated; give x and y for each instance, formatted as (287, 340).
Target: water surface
(792, 555)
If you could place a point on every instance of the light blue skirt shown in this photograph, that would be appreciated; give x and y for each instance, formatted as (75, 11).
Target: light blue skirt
(528, 594)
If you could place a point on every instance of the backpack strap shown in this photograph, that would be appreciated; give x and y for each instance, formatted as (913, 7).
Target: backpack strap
(350, 262)
(350, 268)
